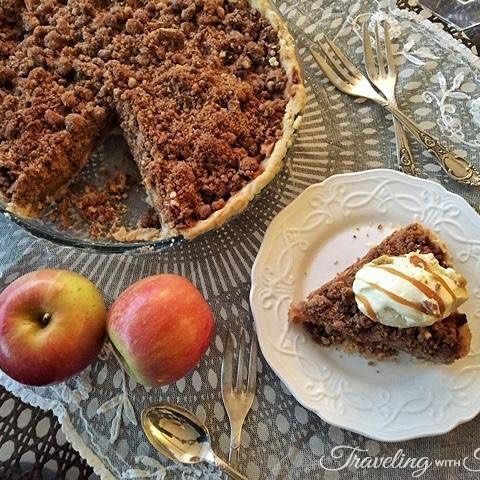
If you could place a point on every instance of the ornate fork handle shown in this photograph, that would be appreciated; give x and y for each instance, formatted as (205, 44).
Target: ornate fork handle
(456, 167)
(405, 156)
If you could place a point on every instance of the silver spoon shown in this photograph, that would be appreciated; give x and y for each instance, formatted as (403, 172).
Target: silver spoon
(180, 435)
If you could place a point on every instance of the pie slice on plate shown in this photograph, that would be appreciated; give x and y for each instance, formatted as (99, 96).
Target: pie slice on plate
(332, 314)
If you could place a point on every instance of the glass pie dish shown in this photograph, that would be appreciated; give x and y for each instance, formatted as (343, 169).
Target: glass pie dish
(112, 155)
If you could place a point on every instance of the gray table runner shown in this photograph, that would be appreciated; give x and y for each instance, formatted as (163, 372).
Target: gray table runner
(440, 86)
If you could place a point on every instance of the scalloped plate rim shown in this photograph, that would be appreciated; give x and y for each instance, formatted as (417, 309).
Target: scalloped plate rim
(407, 434)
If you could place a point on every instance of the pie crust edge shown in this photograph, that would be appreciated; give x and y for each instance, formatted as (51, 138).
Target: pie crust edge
(291, 121)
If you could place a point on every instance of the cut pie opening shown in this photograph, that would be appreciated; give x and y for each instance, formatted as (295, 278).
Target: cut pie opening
(331, 315)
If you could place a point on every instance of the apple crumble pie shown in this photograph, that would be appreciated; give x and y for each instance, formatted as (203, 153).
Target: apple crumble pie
(207, 93)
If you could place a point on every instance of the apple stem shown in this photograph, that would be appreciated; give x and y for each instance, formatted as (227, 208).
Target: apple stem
(45, 319)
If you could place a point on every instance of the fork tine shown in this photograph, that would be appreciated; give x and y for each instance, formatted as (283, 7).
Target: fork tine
(241, 361)
(329, 72)
(369, 59)
(380, 58)
(337, 64)
(346, 62)
(252, 365)
(389, 48)
(227, 363)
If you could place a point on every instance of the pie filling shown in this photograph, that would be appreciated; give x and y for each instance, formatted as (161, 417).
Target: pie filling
(332, 317)
(197, 88)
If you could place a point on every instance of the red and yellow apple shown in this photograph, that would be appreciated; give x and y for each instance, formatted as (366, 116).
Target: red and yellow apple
(161, 326)
(52, 325)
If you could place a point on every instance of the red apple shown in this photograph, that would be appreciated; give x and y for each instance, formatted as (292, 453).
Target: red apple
(161, 326)
(52, 325)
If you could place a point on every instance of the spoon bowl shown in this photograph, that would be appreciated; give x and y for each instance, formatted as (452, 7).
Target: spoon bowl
(180, 435)
(176, 433)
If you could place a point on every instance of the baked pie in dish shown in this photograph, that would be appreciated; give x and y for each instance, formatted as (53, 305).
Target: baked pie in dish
(402, 296)
(208, 94)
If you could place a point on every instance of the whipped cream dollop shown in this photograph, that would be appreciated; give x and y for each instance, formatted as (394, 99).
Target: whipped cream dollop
(411, 290)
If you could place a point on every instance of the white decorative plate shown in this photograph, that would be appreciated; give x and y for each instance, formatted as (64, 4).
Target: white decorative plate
(324, 230)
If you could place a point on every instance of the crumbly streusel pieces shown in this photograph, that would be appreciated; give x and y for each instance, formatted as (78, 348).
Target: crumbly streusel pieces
(47, 133)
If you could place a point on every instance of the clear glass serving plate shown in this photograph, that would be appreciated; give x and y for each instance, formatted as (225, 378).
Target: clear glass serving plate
(462, 14)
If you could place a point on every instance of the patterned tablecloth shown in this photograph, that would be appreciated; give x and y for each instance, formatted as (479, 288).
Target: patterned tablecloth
(281, 439)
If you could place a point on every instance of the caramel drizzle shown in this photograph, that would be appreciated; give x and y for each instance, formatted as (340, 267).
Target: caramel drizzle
(403, 301)
(417, 261)
(416, 283)
(368, 307)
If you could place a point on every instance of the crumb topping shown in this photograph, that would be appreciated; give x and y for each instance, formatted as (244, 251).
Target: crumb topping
(197, 87)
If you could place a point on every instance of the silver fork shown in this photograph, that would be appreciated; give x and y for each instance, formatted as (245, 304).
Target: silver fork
(348, 78)
(238, 399)
(385, 78)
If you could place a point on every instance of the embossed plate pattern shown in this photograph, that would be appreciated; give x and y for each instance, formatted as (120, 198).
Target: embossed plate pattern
(324, 230)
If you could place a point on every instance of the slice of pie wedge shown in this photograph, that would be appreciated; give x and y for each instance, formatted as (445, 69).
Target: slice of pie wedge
(332, 317)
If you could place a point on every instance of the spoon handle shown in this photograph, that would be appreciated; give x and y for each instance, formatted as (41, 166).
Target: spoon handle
(228, 469)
